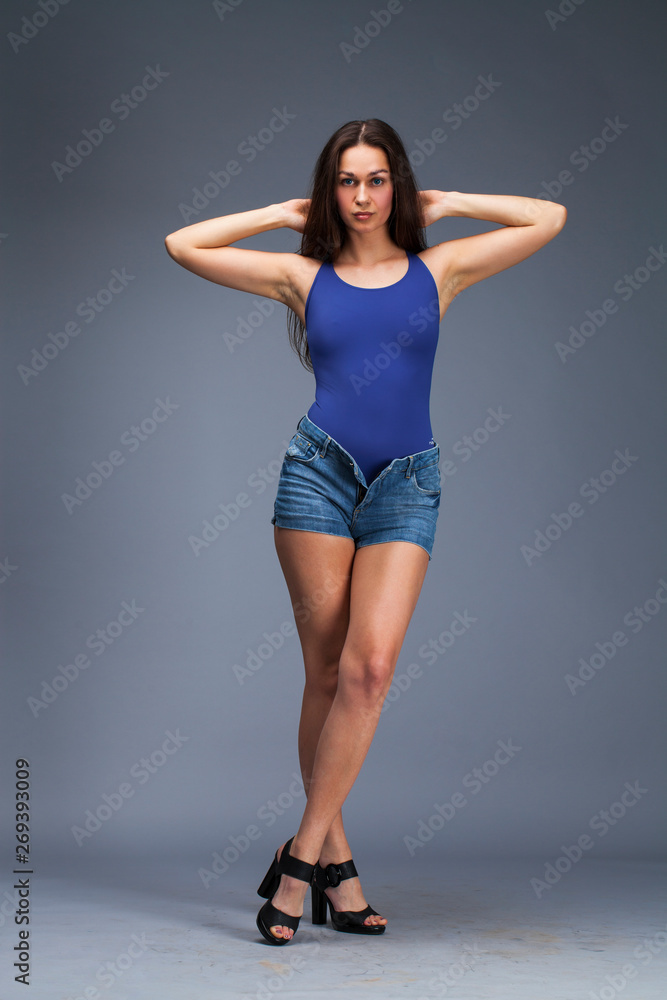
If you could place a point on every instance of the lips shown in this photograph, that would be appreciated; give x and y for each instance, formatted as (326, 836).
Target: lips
(362, 215)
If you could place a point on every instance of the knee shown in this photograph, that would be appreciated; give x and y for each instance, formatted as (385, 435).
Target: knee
(366, 677)
(322, 677)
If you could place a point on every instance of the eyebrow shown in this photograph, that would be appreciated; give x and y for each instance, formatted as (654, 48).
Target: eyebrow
(350, 173)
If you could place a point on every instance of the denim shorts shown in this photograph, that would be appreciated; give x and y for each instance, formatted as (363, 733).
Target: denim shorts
(321, 488)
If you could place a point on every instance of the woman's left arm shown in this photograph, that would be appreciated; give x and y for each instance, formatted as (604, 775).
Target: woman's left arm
(529, 224)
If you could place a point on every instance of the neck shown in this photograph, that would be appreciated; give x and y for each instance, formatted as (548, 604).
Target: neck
(367, 249)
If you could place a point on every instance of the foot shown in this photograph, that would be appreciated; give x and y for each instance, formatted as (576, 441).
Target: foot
(289, 898)
(348, 895)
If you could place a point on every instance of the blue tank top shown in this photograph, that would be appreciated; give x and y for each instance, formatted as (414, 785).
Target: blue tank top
(372, 351)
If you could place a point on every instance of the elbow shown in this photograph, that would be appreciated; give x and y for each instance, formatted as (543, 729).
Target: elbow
(561, 215)
(170, 246)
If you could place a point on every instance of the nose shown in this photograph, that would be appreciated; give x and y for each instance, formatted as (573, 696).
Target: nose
(361, 196)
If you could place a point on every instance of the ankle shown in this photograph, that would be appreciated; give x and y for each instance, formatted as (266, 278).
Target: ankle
(294, 888)
(303, 852)
(335, 854)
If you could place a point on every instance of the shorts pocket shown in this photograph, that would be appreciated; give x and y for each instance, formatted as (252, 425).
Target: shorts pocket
(301, 449)
(427, 479)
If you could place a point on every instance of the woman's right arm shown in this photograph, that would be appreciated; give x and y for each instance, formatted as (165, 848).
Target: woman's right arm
(203, 248)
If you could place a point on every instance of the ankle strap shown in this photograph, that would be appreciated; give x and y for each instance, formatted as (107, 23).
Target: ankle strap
(295, 867)
(333, 875)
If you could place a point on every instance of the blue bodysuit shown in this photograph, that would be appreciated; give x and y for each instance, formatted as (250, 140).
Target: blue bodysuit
(373, 351)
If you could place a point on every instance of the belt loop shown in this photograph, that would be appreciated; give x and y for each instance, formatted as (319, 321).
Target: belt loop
(408, 471)
(323, 449)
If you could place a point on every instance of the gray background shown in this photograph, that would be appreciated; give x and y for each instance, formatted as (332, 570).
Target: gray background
(163, 337)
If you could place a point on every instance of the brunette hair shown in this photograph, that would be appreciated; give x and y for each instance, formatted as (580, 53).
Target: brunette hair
(324, 232)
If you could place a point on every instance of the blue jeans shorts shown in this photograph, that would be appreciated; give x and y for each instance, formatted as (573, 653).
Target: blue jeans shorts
(321, 488)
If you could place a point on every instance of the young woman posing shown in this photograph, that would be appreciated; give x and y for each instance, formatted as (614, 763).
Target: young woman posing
(359, 490)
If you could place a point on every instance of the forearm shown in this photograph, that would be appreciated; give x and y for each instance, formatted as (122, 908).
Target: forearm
(228, 229)
(506, 209)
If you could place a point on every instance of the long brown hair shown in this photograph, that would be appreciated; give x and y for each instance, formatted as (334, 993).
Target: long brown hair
(324, 232)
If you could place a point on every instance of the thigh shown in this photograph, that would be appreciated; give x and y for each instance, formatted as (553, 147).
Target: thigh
(317, 570)
(386, 582)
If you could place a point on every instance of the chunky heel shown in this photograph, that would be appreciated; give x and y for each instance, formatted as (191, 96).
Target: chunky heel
(318, 901)
(270, 882)
(269, 915)
(350, 921)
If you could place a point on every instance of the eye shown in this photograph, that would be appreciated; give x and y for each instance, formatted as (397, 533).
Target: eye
(380, 179)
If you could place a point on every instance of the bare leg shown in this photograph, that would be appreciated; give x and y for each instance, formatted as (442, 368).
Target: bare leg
(317, 569)
(384, 587)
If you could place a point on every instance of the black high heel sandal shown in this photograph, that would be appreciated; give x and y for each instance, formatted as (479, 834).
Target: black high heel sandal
(269, 915)
(351, 921)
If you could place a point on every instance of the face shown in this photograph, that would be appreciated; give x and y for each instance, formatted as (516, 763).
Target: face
(364, 185)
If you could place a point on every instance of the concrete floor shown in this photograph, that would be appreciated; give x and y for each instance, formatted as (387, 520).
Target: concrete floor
(466, 929)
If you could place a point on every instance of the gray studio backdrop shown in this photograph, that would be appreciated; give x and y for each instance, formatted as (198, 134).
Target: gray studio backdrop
(153, 675)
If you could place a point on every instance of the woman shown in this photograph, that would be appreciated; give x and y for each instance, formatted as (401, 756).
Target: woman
(359, 490)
